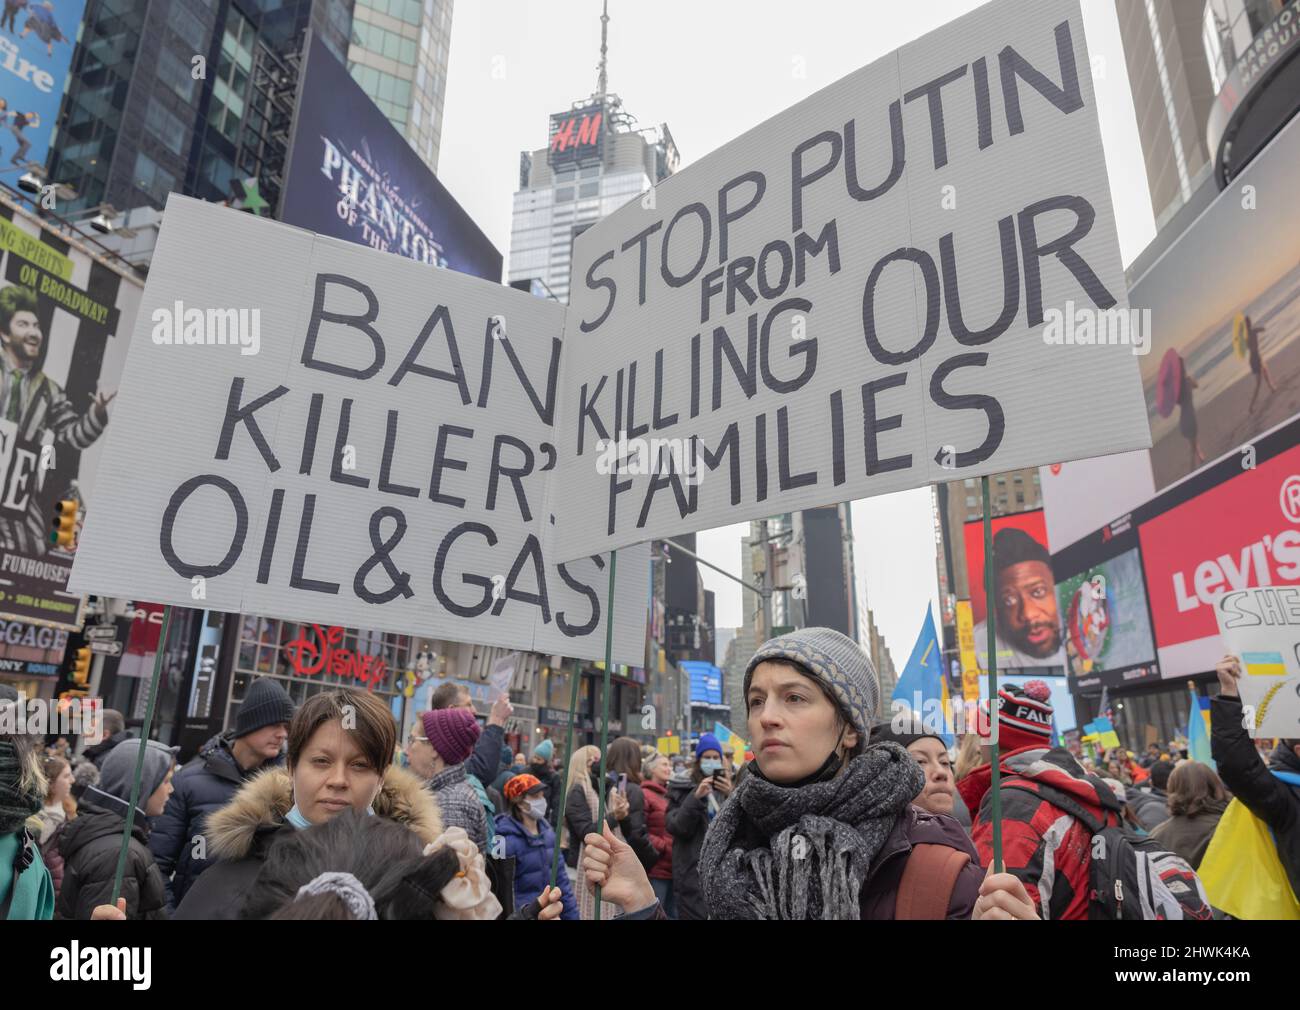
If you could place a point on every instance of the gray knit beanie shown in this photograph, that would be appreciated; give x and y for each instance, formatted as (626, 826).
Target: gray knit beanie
(833, 660)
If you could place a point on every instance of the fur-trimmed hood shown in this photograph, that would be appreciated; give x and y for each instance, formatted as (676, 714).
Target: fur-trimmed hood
(265, 800)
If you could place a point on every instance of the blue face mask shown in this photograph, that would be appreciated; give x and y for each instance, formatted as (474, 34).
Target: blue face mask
(710, 765)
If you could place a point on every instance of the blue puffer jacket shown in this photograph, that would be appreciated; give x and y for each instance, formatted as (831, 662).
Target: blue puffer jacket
(532, 855)
(207, 783)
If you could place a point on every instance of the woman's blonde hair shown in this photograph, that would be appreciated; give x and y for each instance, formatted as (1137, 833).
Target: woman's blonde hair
(578, 766)
(970, 755)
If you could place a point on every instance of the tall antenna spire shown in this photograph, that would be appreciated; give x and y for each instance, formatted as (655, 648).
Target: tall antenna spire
(602, 82)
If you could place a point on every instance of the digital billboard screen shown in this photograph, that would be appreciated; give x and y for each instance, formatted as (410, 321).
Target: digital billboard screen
(1028, 622)
(1103, 603)
(1223, 308)
(353, 176)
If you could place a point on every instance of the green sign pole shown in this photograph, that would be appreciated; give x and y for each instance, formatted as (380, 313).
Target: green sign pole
(604, 722)
(990, 600)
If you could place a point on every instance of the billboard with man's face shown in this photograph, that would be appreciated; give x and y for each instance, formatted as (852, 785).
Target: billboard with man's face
(1028, 625)
(60, 315)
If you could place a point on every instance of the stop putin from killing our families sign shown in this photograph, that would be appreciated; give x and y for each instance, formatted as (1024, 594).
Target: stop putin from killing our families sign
(911, 276)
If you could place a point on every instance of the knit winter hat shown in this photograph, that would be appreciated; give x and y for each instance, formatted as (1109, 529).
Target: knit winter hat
(905, 734)
(118, 771)
(1024, 716)
(453, 733)
(707, 742)
(265, 704)
(545, 750)
(520, 784)
(833, 660)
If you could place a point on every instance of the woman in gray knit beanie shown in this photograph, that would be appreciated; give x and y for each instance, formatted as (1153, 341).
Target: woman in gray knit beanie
(822, 826)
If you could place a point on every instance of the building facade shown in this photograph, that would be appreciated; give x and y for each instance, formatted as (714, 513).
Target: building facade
(1164, 52)
(398, 53)
(596, 161)
(183, 97)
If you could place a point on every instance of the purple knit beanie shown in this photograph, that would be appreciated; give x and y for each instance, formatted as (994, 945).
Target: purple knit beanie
(453, 733)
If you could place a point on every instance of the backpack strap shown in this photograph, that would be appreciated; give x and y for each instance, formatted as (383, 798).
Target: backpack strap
(1062, 800)
(925, 892)
(23, 858)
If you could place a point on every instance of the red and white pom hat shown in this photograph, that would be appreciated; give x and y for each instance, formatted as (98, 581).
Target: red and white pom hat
(1024, 716)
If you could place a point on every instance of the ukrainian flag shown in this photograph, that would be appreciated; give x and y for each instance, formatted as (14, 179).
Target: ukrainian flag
(923, 680)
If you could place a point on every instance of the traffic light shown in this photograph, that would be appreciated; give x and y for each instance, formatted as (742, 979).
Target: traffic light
(63, 529)
(67, 697)
(81, 667)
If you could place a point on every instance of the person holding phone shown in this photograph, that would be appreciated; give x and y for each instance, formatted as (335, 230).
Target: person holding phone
(694, 800)
(625, 765)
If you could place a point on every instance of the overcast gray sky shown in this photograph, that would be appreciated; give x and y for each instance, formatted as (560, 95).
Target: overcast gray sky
(712, 70)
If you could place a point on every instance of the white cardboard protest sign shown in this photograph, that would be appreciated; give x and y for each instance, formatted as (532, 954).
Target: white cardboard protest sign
(898, 281)
(503, 672)
(1261, 627)
(380, 461)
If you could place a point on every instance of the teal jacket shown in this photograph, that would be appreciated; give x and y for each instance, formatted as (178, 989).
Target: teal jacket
(34, 896)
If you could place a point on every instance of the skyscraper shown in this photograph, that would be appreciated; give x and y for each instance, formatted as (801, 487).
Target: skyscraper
(1172, 93)
(597, 159)
(398, 54)
(189, 100)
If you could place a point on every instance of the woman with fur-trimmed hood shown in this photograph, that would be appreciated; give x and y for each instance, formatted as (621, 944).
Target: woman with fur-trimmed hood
(341, 745)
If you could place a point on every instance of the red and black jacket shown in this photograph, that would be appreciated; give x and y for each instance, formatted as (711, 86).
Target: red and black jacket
(1047, 848)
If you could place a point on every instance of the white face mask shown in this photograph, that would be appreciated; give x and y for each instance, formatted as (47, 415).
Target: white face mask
(536, 808)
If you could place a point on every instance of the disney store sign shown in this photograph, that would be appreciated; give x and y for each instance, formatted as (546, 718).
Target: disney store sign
(318, 651)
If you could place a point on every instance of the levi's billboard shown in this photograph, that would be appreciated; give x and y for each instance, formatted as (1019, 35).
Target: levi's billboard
(1244, 532)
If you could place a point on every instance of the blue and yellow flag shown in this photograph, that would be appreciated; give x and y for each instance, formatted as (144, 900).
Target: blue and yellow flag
(1198, 731)
(922, 686)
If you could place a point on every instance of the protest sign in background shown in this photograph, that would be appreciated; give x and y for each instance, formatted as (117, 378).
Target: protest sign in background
(898, 281)
(1261, 627)
(378, 462)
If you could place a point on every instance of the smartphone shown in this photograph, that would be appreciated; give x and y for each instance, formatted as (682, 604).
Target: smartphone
(622, 785)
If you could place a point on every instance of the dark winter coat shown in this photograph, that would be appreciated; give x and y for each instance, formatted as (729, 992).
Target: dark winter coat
(656, 819)
(687, 820)
(50, 854)
(485, 762)
(635, 830)
(90, 846)
(242, 832)
(1189, 837)
(96, 753)
(206, 784)
(1049, 849)
(579, 823)
(1272, 800)
(532, 856)
(879, 894)
(1149, 806)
